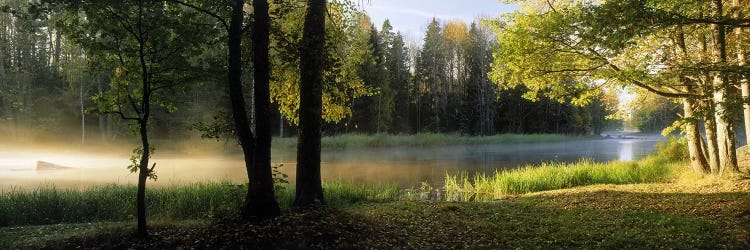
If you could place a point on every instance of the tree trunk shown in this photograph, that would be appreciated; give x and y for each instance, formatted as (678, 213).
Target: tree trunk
(281, 125)
(711, 147)
(745, 85)
(261, 202)
(711, 142)
(56, 58)
(724, 123)
(697, 161)
(102, 117)
(143, 172)
(309, 189)
(236, 96)
(83, 116)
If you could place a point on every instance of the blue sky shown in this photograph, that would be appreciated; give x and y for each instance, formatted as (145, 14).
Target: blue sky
(412, 16)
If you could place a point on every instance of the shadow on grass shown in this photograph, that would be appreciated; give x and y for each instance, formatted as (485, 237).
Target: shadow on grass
(599, 219)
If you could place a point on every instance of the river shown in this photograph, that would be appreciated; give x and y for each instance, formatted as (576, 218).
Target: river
(405, 166)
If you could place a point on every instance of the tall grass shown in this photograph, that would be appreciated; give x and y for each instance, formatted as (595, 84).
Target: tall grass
(425, 140)
(339, 193)
(49, 205)
(662, 165)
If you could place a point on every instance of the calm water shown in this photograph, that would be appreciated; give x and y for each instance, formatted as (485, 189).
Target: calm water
(407, 166)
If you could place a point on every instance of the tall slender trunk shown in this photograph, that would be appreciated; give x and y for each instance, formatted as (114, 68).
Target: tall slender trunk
(312, 52)
(83, 116)
(281, 125)
(261, 202)
(711, 146)
(56, 57)
(102, 117)
(236, 93)
(50, 61)
(143, 173)
(711, 141)
(724, 123)
(744, 83)
(380, 108)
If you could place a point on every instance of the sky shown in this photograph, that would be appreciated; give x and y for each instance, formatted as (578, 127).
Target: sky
(411, 17)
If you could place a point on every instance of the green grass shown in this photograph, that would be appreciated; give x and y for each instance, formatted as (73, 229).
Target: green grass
(603, 218)
(340, 194)
(660, 166)
(425, 140)
(50, 205)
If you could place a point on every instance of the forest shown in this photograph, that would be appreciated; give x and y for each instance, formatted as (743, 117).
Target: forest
(437, 84)
(523, 106)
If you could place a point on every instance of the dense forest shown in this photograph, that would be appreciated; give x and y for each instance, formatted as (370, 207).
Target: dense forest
(377, 82)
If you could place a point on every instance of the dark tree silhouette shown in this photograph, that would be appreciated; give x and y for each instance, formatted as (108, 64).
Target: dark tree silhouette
(261, 202)
(312, 57)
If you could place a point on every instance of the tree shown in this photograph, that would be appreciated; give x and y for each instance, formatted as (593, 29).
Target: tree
(384, 99)
(309, 190)
(741, 62)
(627, 43)
(33, 87)
(397, 62)
(261, 201)
(345, 53)
(456, 41)
(141, 40)
(430, 77)
(478, 112)
(373, 114)
(721, 98)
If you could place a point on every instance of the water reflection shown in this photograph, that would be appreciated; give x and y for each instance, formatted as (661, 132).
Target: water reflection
(626, 151)
(406, 166)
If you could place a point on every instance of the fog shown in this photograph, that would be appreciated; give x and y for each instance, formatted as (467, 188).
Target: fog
(66, 165)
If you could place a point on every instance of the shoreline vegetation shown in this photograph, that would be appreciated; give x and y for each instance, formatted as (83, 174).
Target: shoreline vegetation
(51, 205)
(654, 202)
(660, 166)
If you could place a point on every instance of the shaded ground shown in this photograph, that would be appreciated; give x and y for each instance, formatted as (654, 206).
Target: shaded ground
(692, 213)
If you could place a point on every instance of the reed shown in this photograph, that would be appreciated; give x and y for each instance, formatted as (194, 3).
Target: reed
(51, 205)
(660, 166)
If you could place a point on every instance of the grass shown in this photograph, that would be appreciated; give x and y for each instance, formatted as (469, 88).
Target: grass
(708, 214)
(49, 205)
(342, 194)
(663, 165)
(426, 140)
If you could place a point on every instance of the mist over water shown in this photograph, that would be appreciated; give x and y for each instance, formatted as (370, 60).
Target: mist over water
(406, 166)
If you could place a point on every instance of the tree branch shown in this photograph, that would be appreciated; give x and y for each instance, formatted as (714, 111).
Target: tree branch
(205, 11)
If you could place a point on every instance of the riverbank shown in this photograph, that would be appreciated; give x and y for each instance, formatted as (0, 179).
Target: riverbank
(663, 165)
